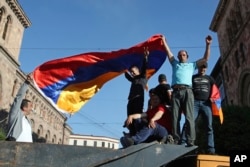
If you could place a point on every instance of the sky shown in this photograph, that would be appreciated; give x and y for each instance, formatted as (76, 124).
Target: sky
(62, 28)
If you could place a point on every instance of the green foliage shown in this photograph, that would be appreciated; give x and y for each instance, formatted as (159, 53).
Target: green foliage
(234, 132)
(3, 123)
(2, 134)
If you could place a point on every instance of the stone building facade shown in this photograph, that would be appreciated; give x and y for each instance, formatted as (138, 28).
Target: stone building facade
(231, 22)
(48, 124)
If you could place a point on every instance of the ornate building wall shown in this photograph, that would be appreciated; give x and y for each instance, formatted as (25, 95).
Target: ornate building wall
(94, 141)
(232, 24)
(48, 124)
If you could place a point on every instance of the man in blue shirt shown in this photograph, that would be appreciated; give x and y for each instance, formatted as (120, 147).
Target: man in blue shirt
(182, 97)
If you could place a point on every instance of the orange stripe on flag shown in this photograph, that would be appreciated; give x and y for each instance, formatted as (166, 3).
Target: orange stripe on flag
(216, 103)
(217, 111)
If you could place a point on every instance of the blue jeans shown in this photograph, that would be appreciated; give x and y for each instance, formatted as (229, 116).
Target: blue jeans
(143, 132)
(204, 108)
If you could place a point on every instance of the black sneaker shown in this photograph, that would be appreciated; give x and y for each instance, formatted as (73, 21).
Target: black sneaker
(190, 144)
(126, 134)
(211, 153)
(163, 140)
(127, 141)
(170, 139)
(123, 142)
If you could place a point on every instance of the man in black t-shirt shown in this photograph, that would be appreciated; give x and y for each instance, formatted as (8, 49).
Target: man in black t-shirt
(137, 77)
(202, 85)
(163, 90)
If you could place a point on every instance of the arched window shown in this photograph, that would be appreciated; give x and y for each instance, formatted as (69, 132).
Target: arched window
(237, 59)
(247, 4)
(6, 27)
(233, 23)
(226, 73)
(238, 15)
(40, 131)
(54, 139)
(47, 136)
(1, 14)
(32, 122)
(13, 94)
(59, 141)
(229, 31)
(243, 52)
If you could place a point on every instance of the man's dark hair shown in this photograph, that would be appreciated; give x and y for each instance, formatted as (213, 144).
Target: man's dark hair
(162, 77)
(24, 103)
(151, 91)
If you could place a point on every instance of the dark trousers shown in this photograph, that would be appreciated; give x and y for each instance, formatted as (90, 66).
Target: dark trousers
(183, 101)
(134, 106)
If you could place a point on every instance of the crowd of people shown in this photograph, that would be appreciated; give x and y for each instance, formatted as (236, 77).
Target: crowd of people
(189, 94)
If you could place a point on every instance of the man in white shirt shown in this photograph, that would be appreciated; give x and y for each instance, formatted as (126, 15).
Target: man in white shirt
(19, 126)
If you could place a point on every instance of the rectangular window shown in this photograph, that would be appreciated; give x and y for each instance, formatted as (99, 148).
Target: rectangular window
(237, 59)
(103, 144)
(75, 142)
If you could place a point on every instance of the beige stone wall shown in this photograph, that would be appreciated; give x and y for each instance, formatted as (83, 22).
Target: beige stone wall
(48, 124)
(17, 21)
(8, 76)
(232, 27)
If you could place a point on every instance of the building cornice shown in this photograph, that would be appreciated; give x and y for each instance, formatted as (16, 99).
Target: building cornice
(218, 15)
(17, 9)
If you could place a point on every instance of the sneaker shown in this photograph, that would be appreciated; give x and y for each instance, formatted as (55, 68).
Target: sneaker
(123, 142)
(190, 144)
(211, 152)
(170, 139)
(127, 141)
(126, 134)
(163, 140)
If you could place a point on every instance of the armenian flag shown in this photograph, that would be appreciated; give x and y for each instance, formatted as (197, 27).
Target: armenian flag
(216, 103)
(68, 83)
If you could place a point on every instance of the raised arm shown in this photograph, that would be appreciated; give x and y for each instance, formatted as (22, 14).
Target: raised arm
(15, 107)
(145, 62)
(169, 53)
(207, 52)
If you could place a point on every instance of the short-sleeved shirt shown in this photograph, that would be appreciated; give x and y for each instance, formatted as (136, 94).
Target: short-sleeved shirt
(165, 120)
(162, 91)
(202, 86)
(182, 72)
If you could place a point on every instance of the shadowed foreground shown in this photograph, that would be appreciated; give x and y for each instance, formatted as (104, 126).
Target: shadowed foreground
(15, 154)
